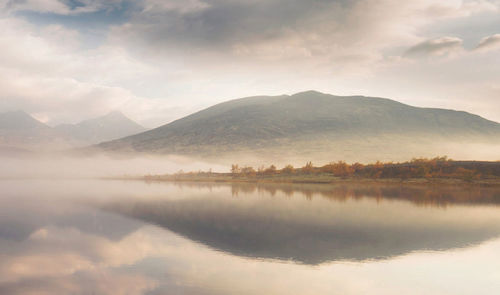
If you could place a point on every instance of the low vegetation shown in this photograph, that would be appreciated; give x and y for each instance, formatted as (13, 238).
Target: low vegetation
(422, 169)
(439, 167)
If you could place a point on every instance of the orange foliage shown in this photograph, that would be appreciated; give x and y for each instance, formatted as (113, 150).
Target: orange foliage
(439, 167)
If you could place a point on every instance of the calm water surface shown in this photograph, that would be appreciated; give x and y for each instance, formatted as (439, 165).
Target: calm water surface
(115, 237)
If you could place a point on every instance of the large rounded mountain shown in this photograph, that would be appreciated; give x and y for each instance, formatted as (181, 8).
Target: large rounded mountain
(310, 121)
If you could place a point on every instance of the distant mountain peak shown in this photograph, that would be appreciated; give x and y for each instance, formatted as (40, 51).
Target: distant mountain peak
(16, 113)
(115, 114)
(18, 129)
(308, 93)
(109, 126)
(19, 120)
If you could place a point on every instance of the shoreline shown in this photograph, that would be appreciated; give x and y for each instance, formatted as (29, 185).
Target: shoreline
(308, 179)
(436, 171)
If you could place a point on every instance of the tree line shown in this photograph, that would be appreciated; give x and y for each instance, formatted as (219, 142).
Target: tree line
(438, 167)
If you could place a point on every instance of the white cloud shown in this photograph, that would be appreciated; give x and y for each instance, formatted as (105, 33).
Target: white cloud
(444, 46)
(489, 43)
(44, 72)
(460, 8)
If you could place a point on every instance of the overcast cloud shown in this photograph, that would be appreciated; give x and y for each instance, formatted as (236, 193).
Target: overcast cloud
(67, 60)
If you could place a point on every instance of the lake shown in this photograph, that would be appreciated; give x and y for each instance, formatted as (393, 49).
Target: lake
(133, 237)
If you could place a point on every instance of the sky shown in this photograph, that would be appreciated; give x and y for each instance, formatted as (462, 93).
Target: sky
(64, 61)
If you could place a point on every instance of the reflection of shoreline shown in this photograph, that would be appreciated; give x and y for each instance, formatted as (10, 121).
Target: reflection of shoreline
(437, 195)
(314, 179)
(417, 194)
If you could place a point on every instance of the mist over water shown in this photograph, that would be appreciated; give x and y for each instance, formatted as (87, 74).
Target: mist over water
(69, 166)
(74, 165)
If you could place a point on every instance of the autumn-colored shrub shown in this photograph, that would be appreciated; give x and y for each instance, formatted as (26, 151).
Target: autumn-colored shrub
(308, 168)
(288, 169)
(439, 167)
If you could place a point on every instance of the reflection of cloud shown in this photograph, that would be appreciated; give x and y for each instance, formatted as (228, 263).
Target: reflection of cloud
(489, 43)
(42, 265)
(98, 282)
(443, 46)
(177, 264)
(67, 261)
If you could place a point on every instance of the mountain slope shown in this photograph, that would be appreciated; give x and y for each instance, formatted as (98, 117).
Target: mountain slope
(20, 121)
(111, 126)
(307, 120)
(19, 130)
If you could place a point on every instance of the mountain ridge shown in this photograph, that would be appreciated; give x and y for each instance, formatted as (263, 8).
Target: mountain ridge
(21, 131)
(112, 125)
(263, 121)
(18, 129)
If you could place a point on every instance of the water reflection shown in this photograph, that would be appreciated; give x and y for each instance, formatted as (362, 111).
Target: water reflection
(91, 237)
(423, 195)
(265, 222)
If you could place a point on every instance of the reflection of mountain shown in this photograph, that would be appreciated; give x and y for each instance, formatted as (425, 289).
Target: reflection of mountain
(316, 230)
(20, 217)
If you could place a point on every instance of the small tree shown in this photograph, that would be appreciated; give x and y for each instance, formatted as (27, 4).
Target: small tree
(357, 167)
(261, 169)
(308, 168)
(248, 171)
(235, 169)
(271, 170)
(288, 169)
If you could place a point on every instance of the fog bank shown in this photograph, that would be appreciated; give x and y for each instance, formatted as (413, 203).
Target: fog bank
(65, 166)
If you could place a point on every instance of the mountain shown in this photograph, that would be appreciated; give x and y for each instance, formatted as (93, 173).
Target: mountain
(18, 130)
(311, 123)
(21, 133)
(111, 126)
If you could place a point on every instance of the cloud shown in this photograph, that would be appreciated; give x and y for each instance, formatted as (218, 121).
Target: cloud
(278, 37)
(308, 28)
(42, 6)
(489, 43)
(460, 8)
(45, 72)
(447, 46)
(186, 6)
(444, 46)
(164, 59)
(62, 7)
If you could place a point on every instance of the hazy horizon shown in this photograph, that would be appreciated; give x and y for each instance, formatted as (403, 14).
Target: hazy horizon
(117, 111)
